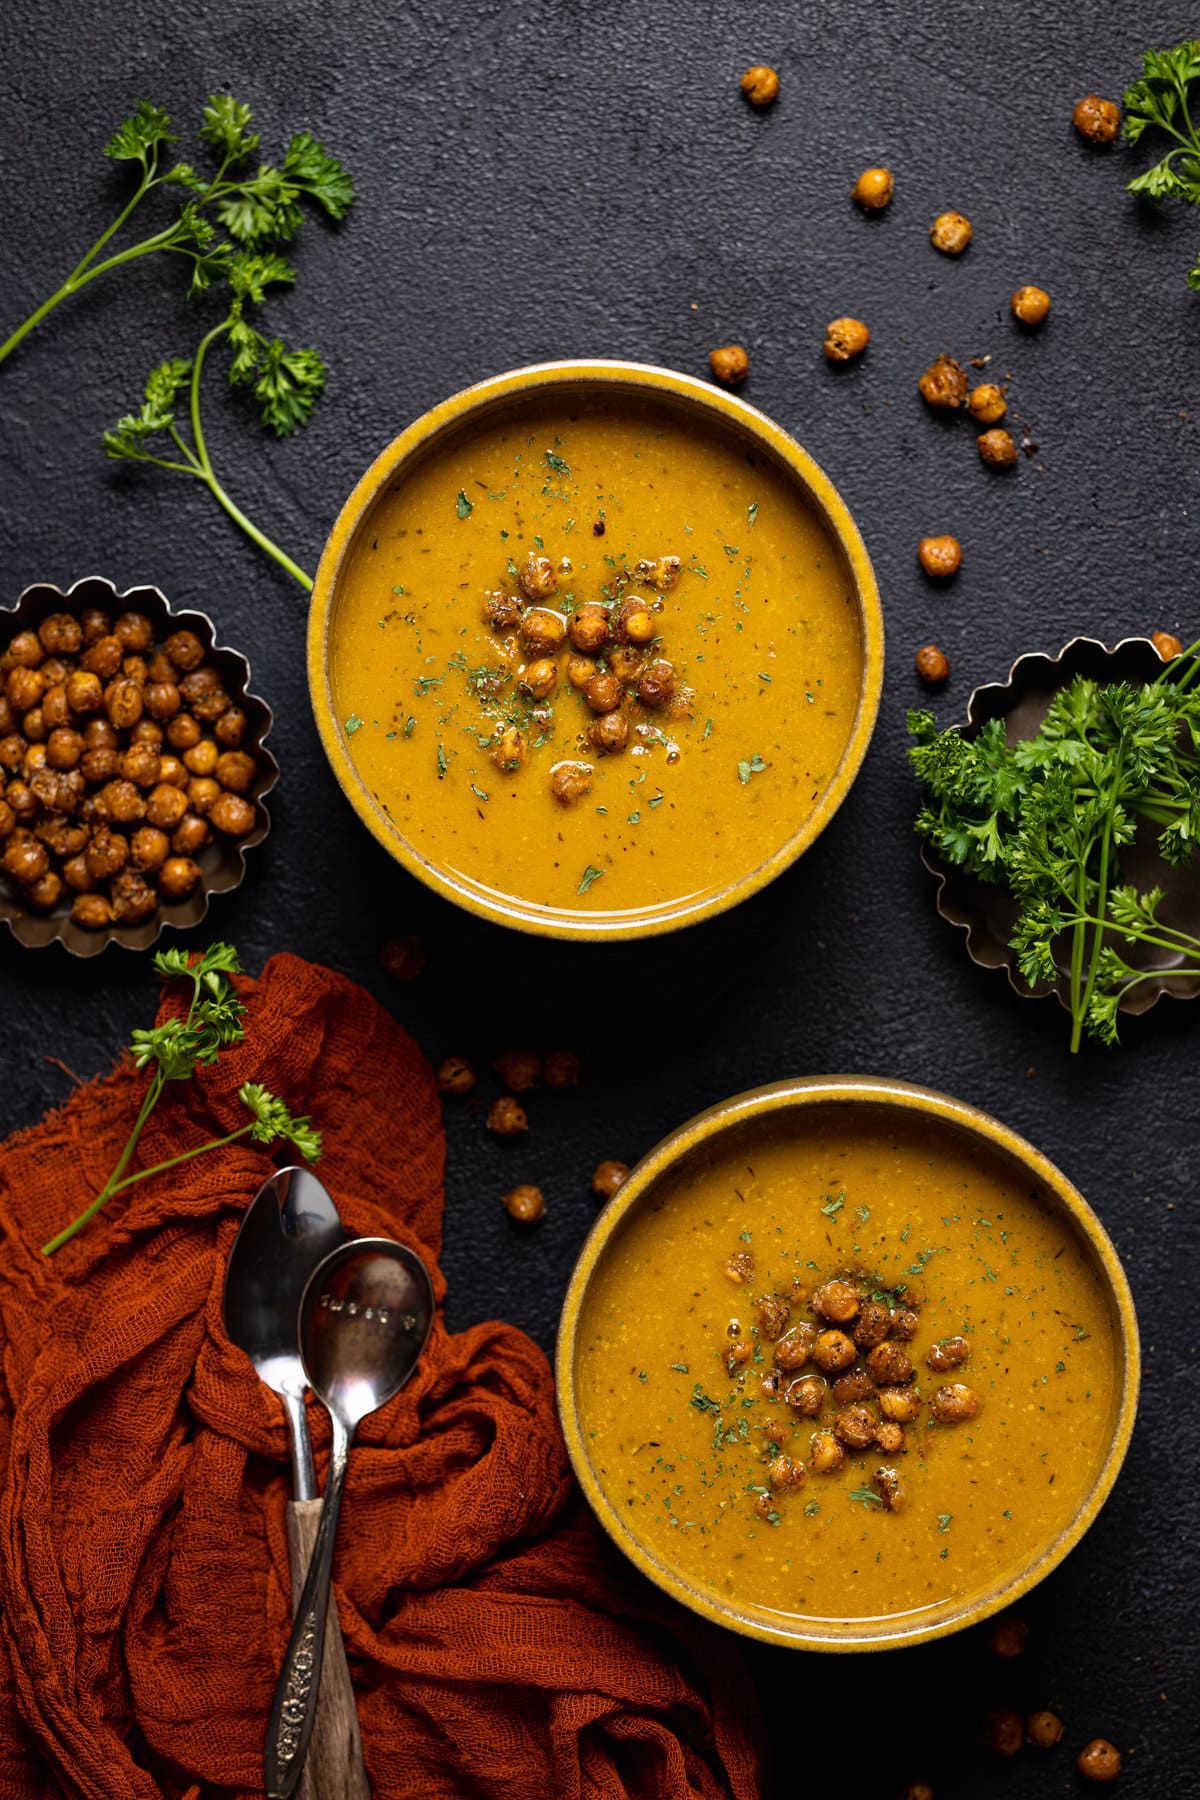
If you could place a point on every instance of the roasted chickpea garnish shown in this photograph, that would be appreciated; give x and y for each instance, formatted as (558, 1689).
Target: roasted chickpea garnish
(455, 1077)
(836, 1301)
(1167, 644)
(609, 732)
(740, 1267)
(833, 1351)
(854, 1426)
(933, 665)
(986, 403)
(177, 877)
(542, 632)
(1043, 1730)
(760, 84)
(901, 1405)
(871, 1326)
(608, 1177)
(955, 1403)
(773, 1316)
(657, 683)
(231, 815)
(580, 670)
(1030, 305)
(509, 751)
(519, 1070)
(944, 383)
(889, 1437)
(940, 556)
(1099, 1761)
(507, 1117)
(1007, 1636)
(501, 611)
(626, 662)
(525, 1204)
(795, 1347)
(890, 1485)
(540, 678)
(1003, 1731)
(826, 1455)
(951, 1353)
(806, 1396)
(603, 692)
(845, 338)
(92, 911)
(873, 189)
(997, 448)
(588, 628)
(730, 365)
(1096, 119)
(561, 1070)
(889, 1366)
(784, 1474)
(950, 233)
(570, 782)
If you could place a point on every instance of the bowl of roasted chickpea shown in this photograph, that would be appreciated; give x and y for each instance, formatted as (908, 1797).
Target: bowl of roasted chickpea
(133, 768)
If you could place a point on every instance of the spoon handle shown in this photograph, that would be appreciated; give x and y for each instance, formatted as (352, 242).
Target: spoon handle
(335, 1769)
(295, 1705)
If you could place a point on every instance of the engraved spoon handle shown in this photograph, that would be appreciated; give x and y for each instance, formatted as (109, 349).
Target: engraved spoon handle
(295, 1704)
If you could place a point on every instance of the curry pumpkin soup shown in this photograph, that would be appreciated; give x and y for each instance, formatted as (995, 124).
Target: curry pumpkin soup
(595, 653)
(843, 1366)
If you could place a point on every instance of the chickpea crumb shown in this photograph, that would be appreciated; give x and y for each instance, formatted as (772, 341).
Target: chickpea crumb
(1095, 119)
(455, 1077)
(608, 1177)
(845, 338)
(1043, 1730)
(1099, 1761)
(1167, 644)
(507, 1117)
(525, 1204)
(874, 189)
(940, 556)
(997, 448)
(730, 364)
(760, 84)
(1030, 304)
(933, 665)
(950, 233)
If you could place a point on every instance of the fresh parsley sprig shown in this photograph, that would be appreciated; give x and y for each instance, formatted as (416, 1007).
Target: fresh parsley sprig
(257, 207)
(1049, 816)
(174, 1051)
(1159, 102)
(286, 384)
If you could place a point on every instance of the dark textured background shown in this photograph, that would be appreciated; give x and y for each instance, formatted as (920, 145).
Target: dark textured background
(540, 180)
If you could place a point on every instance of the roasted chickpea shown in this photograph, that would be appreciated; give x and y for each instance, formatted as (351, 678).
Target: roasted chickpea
(736, 1357)
(740, 1267)
(626, 662)
(836, 1301)
(58, 790)
(933, 665)
(162, 699)
(160, 668)
(773, 1316)
(940, 557)
(140, 764)
(94, 624)
(806, 1396)
(905, 1324)
(1166, 644)
(60, 634)
(784, 1474)
(133, 900)
(172, 772)
(230, 728)
(235, 770)
(12, 752)
(54, 709)
(197, 683)
(107, 853)
(634, 622)
(730, 365)
(944, 383)
(200, 792)
(25, 860)
(661, 572)
(1043, 1730)
(874, 189)
(64, 748)
(123, 703)
(1099, 1761)
(24, 651)
(543, 632)
(165, 806)
(845, 339)
(950, 1353)
(501, 611)
(190, 835)
(231, 814)
(133, 632)
(987, 404)
(211, 706)
(519, 1070)
(570, 782)
(1030, 304)
(854, 1426)
(657, 683)
(588, 628)
(540, 678)
(950, 233)
(1008, 1636)
(77, 875)
(24, 687)
(103, 658)
(148, 847)
(1003, 1731)
(509, 750)
(85, 693)
(92, 911)
(62, 836)
(455, 1077)
(201, 758)
(889, 1437)
(1096, 119)
(826, 1455)
(760, 84)
(610, 732)
(537, 578)
(9, 717)
(8, 819)
(833, 1351)
(183, 732)
(603, 692)
(561, 1070)
(891, 1488)
(184, 649)
(23, 801)
(177, 878)
(580, 670)
(871, 1326)
(849, 1389)
(888, 1366)
(507, 1117)
(34, 728)
(955, 1403)
(899, 1404)
(119, 802)
(525, 1204)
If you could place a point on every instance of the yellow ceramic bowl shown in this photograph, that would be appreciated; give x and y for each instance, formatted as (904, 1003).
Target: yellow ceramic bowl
(573, 381)
(615, 1259)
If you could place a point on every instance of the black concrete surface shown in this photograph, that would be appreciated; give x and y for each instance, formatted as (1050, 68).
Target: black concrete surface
(547, 179)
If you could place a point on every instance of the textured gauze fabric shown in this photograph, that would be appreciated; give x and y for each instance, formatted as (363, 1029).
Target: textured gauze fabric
(499, 1648)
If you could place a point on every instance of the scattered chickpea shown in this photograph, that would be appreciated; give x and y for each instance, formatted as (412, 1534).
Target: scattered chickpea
(525, 1204)
(176, 879)
(232, 815)
(1030, 304)
(625, 661)
(806, 1396)
(950, 233)
(1099, 1761)
(987, 404)
(795, 1347)
(854, 1427)
(404, 958)
(1008, 1636)
(540, 678)
(543, 631)
(1096, 119)
(893, 1490)
(773, 1316)
(833, 1351)
(608, 1177)
(845, 338)
(730, 365)
(609, 732)
(889, 1437)
(836, 1301)
(944, 383)
(933, 665)
(874, 189)
(1166, 644)
(561, 1070)
(826, 1455)
(997, 448)
(570, 782)
(951, 1353)
(506, 1117)
(871, 1326)
(537, 578)
(784, 1473)
(509, 750)
(899, 1405)
(588, 627)
(889, 1366)
(955, 1403)
(455, 1077)
(940, 557)
(519, 1070)
(1043, 1730)
(603, 692)
(1003, 1731)
(760, 84)
(656, 685)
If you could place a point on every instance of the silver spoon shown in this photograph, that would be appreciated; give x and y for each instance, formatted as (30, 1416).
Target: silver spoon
(364, 1320)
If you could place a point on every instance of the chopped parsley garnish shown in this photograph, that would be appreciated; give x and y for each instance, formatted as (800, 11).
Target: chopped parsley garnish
(944, 1522)
(556, 463)
(352, 724)
(442, 764)
(478, 792)
(462, 506)
(410, 725)
(704, 1402)
(833, 1205)
(680, 1368)
(589, 875)
(753, 766)
(752, 512)
(707, 732)
(866, 1496)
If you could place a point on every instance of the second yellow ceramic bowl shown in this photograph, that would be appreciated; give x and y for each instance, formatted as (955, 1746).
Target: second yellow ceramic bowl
(572, 382)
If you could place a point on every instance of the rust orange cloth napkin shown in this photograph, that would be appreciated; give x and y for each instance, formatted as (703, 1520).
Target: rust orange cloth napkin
(499, 1648)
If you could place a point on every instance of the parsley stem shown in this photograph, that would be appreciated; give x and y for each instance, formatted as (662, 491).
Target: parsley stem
(135, 199)
(1101, 905)
(184, 1156)
(148, 1104)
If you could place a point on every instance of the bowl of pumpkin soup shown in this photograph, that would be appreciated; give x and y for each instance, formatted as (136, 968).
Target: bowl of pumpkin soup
(595, 649)
(846, 1364)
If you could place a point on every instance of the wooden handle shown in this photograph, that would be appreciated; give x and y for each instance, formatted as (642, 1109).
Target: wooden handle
(334, 1769)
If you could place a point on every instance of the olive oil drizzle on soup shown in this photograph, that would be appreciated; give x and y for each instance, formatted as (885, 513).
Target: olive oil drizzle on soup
(681, 1446)
(759, 627)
